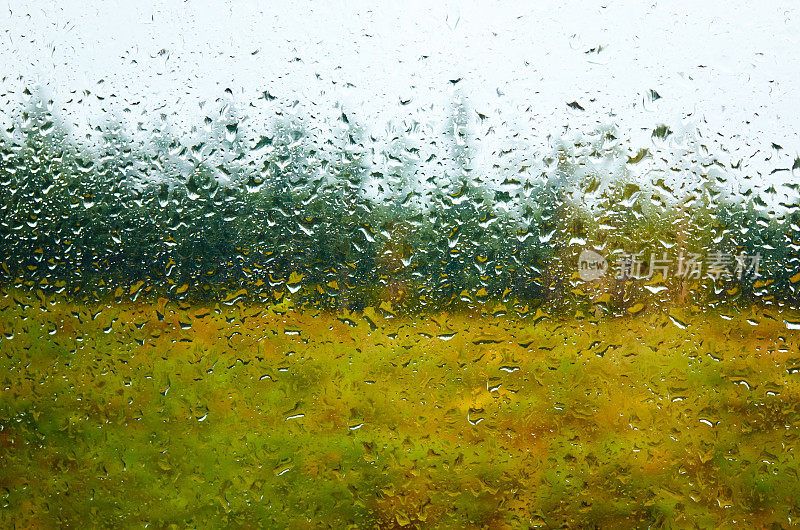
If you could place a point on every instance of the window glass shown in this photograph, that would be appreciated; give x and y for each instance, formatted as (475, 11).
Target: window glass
(309, 264)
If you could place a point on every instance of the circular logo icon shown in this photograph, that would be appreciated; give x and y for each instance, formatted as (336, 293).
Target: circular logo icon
(591, 265)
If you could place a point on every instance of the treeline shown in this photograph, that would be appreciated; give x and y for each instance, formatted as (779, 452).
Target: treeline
(300, 216)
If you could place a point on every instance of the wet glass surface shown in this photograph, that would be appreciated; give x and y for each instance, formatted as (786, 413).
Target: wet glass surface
(403, 266)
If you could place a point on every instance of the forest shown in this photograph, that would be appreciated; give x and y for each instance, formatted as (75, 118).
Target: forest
(409, 222)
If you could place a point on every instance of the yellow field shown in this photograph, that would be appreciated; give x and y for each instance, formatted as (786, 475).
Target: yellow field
(250, 416)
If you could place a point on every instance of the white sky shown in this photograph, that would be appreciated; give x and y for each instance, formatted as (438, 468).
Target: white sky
(730, 69)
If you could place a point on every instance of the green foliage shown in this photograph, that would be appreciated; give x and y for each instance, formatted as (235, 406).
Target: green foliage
(196, 415)
(295, 214)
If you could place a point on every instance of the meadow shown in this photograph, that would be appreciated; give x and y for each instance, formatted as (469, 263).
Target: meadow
(168, 414)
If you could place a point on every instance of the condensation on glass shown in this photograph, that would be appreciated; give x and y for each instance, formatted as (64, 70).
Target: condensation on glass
(442, 266)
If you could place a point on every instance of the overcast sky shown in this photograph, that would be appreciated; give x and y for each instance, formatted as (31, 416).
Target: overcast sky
(728, 69)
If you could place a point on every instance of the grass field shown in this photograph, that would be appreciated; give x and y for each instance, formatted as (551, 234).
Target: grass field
(165, 415)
